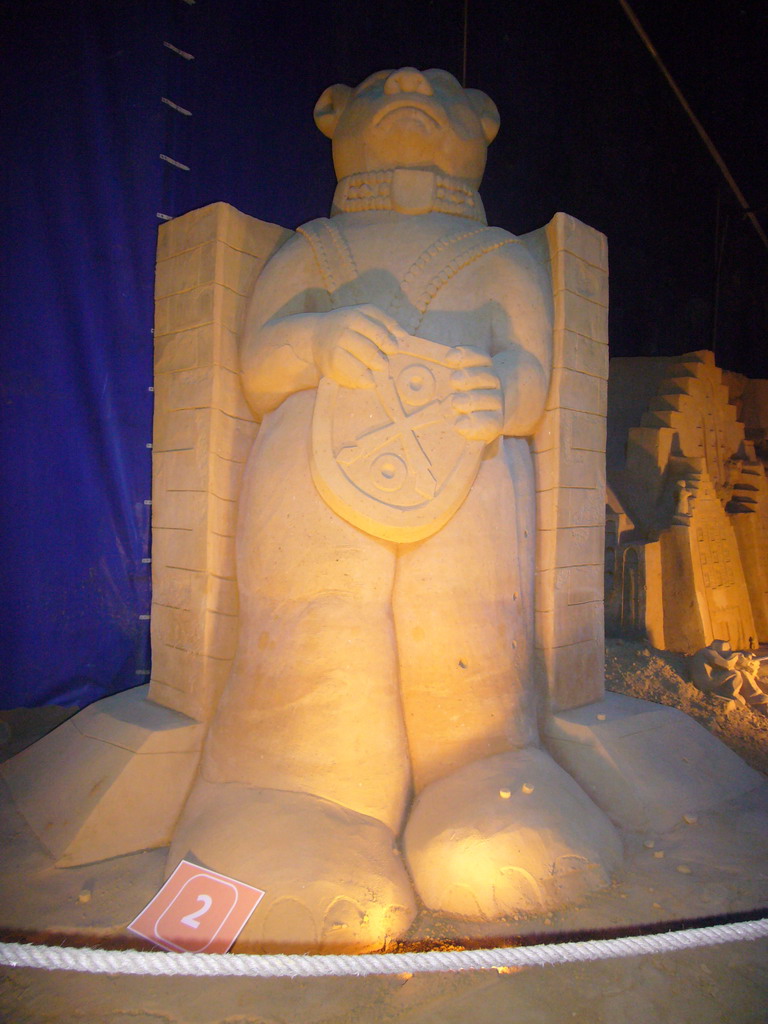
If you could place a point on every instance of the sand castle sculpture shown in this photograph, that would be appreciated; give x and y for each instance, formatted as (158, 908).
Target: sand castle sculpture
(377, 612)
(687, 508)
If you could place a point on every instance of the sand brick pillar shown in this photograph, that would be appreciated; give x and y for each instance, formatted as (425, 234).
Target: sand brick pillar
(569, 456)
(207, 262)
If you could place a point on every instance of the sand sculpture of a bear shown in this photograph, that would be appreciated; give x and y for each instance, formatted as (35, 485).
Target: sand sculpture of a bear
(377, 738)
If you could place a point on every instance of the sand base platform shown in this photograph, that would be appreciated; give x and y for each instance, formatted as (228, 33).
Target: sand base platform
(696, 869)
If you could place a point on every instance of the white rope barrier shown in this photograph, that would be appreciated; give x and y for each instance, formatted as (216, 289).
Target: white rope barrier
(99, 961)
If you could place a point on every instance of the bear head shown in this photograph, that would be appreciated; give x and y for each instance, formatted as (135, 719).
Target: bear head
(408, 118)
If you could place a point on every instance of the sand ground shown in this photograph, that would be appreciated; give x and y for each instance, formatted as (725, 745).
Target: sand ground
(714, 865)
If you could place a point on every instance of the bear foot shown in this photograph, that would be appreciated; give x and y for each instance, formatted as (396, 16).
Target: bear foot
(333, 878)
(510, 834)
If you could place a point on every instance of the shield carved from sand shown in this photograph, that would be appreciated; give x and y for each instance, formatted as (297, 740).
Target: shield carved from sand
(388, 459)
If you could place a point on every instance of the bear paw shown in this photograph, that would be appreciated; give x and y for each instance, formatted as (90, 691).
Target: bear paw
(333, 879)
(506, 835)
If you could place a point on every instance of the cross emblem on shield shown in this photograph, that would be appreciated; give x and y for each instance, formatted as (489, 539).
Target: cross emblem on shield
(388, 459)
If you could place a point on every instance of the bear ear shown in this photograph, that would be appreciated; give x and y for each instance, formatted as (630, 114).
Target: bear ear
(486, 110)
(330, 107)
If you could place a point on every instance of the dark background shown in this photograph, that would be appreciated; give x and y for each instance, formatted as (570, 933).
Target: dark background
(589, 126)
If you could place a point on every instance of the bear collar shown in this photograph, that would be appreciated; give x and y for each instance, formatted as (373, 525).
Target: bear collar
(408, 190)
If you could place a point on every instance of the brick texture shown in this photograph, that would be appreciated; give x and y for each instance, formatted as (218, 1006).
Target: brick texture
(207, 263)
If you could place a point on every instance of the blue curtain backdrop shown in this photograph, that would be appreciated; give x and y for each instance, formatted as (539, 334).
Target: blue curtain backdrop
(588, 126)
(81, 129)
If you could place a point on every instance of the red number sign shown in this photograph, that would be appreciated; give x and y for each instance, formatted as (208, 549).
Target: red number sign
(197, 911)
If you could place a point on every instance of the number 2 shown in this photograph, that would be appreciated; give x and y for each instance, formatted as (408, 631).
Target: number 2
(191, 920)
